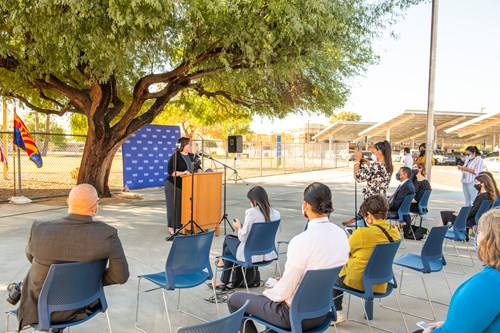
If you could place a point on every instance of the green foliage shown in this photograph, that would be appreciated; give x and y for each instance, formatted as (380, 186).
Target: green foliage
(79, 126)
(54, 128)
(345, 115)
(200, 116)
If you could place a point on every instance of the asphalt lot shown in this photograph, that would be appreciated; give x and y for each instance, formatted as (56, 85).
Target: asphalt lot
(142, 229)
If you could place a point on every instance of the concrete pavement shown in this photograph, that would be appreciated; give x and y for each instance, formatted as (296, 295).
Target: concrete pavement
(142, 229)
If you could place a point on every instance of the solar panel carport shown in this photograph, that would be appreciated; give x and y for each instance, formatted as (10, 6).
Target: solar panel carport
(411, 125)
(478, 129)
(342, 131)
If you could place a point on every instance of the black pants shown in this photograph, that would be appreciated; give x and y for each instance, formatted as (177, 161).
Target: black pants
(393, 215)
(229, 247)
(173, 205)
(338, 295)
(447, 216)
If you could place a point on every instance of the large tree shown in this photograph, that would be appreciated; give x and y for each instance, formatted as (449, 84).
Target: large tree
(120, 62)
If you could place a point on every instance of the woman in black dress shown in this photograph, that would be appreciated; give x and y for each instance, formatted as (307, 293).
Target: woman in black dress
(421, 185)
(182, 162)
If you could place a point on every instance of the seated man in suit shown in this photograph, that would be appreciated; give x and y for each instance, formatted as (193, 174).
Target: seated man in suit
(406, 187)
(74, 238)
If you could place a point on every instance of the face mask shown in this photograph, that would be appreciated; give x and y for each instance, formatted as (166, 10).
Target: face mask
(397, 176)
(477, 187)
(251, 205)
(468, 157)
(304, 212)
(475, 242)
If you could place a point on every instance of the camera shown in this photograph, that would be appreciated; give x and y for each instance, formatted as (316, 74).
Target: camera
(14, 292)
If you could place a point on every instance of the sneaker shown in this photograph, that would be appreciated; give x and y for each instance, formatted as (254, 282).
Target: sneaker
(340, 318)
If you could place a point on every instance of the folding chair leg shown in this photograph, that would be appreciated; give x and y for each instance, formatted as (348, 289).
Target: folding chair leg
(166, 309)
(137, 308)
(109, 322)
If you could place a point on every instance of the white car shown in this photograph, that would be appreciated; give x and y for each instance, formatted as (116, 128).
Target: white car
(400, 157)
(492, 164)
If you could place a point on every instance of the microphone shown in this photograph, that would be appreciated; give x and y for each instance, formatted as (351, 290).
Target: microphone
(202, 154)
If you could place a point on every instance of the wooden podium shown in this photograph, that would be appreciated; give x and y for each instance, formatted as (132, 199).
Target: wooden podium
(207, 201)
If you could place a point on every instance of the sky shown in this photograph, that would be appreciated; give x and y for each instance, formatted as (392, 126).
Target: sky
(467, 68)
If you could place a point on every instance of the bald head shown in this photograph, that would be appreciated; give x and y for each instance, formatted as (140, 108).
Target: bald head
(82, 200)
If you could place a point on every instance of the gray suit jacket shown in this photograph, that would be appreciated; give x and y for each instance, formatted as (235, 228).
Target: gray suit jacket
(71, 239)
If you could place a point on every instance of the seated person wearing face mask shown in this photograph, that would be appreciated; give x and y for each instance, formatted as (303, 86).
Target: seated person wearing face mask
(362, 242)
(486, 191)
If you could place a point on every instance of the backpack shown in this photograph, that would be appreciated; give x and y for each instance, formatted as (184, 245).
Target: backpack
(252, 275)
(418, 231)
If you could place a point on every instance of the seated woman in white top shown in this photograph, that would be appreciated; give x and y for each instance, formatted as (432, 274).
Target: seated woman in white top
(261, 211)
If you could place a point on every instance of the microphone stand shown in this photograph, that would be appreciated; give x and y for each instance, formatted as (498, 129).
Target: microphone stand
(224, 214)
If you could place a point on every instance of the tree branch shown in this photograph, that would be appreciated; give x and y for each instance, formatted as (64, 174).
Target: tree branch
(217, 93)
(64, 109)
(78, 97)
(117, 102)
(9, 63)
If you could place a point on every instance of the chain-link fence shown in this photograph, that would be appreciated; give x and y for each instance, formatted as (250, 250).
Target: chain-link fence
(62, 155)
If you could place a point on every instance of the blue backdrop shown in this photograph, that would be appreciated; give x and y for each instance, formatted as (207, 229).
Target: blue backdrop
(146, 154)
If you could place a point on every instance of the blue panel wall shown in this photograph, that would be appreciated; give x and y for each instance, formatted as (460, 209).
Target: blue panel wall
(146, 154)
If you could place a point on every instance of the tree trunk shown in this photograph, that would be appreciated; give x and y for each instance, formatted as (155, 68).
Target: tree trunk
(96, 162)
(45, 147)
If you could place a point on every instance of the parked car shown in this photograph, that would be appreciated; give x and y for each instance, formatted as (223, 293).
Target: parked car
(366, 155)
(459, 157)
(492, 164)
(442, 157)
(399, 157)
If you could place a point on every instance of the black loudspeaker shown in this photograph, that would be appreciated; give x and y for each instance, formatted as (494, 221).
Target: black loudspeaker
(235, 144)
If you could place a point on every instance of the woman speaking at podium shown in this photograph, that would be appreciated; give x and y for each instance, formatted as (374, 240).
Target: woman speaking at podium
(181, 163)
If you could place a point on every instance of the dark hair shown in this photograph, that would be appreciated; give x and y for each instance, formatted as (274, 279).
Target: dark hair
(407, 171)
(319, 196)
(376, 205)
(385, 148)
(497, 192)
(183, 141)
(259, 195)
(407, 150)
(422, 153)
(473, 150)
(422, 145)
(488, 185)
(421, 166)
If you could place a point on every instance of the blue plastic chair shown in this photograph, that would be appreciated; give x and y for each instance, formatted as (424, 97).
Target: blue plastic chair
(260, 241)
(458, 233)
(483, 208)
(497, 202)
(423, 209)
(71, 286)
(227, 324)
(431, 259)
(187, 266)
(378, 270)
(312, 299)
(404, 209)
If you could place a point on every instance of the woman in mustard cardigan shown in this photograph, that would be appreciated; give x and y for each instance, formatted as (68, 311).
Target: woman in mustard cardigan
(362, 242)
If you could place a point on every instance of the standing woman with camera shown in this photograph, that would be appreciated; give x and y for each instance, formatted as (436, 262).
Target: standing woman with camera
(377, 175)
(180, 163)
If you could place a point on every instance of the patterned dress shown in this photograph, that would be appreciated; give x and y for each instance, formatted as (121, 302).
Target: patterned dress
(376, 177)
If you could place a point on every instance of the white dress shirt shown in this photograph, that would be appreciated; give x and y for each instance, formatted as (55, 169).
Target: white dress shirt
(323, 245)
(254, 215)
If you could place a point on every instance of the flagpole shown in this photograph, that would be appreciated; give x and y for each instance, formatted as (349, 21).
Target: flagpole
(4, 109)
(20, 194)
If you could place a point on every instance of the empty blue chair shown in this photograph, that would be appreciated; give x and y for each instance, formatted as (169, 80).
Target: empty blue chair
(312, 299)
(227, 324)
(430, 260)
(69, 287)
(458, 233)
(378, 270)
(187, 266)
(260, 241)
(423, 209)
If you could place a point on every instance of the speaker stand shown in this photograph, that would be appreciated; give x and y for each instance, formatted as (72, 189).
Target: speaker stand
(235, 176)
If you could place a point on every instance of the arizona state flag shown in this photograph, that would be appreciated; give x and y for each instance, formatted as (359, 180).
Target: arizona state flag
(23, 139)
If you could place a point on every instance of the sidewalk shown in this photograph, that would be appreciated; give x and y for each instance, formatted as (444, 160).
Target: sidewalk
(142, 229)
